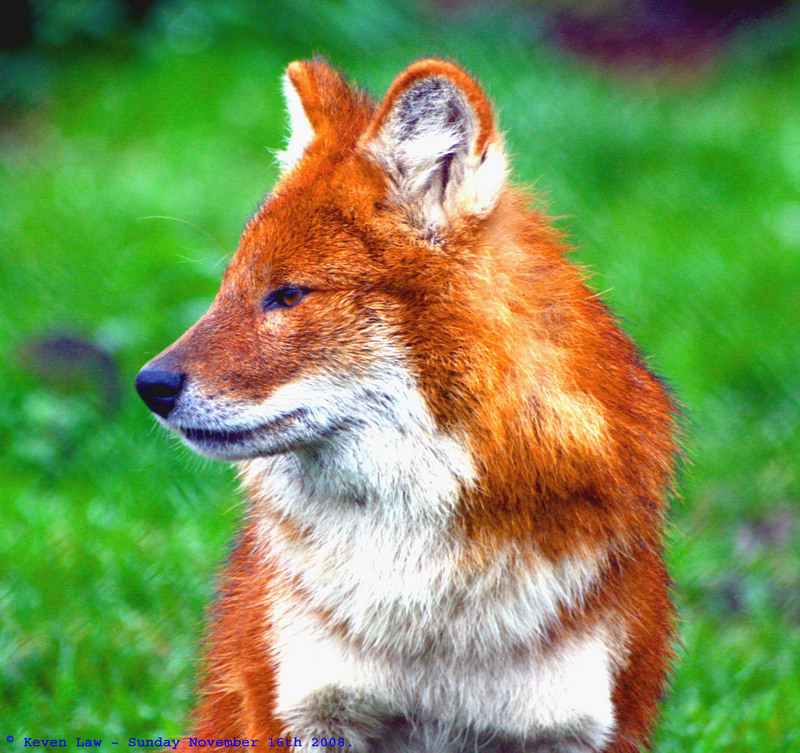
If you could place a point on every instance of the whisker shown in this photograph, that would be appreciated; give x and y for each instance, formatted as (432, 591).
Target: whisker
(190, 224)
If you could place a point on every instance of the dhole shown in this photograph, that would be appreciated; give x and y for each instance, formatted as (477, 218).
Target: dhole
(455, 461)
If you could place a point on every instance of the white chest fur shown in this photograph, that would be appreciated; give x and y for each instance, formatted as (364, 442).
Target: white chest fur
(422, 637)
(463, 649)
(558, 700)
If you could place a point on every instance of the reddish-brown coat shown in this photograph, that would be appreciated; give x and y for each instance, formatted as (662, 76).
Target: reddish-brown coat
(573, 434)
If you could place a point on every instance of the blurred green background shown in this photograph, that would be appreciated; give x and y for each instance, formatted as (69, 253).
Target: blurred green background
(133, 147)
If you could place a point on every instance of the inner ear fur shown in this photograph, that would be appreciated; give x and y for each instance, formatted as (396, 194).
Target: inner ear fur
(435, 136)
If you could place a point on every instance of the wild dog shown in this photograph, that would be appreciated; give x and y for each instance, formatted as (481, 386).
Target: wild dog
(455, 461)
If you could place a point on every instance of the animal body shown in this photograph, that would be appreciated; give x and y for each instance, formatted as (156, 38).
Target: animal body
(455, 461)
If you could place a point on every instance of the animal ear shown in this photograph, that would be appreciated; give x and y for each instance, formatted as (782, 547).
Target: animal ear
(317, 97)
(435, 136)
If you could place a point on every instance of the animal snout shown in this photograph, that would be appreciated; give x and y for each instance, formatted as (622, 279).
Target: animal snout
(159, 389)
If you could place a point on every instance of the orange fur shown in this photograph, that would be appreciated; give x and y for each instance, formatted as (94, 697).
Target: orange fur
(516, 361)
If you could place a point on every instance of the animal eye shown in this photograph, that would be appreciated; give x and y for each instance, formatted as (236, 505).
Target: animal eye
(284, 298)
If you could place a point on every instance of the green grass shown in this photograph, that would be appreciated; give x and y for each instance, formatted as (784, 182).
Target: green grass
(682, 197)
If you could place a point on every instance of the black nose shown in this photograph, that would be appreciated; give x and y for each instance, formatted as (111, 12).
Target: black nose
(159, 389)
